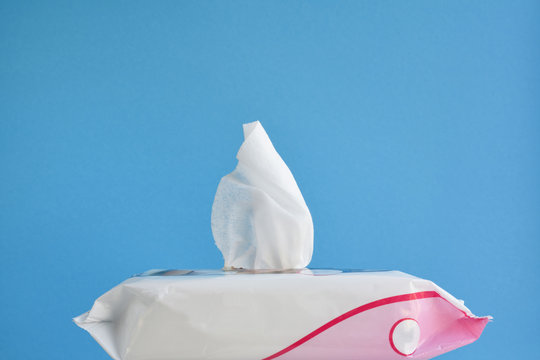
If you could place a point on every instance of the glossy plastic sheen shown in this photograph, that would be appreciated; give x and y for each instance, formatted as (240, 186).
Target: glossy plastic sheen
(300, 314)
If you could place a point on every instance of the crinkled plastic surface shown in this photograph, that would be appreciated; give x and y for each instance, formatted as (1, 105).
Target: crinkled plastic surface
(259, 218)
(301, 314)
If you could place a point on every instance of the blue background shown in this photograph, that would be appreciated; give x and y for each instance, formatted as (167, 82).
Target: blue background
(412, 129)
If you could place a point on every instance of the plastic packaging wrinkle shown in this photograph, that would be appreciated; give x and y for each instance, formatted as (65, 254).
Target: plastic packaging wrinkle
(301, 314)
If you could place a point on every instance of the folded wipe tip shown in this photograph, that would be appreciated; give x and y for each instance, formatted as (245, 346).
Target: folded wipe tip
(259, 217)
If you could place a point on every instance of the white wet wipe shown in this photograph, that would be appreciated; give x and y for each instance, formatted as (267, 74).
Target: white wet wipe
(259, 218)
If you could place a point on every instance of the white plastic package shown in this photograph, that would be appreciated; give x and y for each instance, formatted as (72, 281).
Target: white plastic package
(265, 304)
(303, 314)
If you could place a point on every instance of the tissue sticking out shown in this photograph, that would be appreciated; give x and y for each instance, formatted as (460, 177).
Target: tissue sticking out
(259, 217)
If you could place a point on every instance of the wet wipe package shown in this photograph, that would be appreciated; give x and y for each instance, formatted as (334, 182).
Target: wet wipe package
(265, 303)
(304, 314)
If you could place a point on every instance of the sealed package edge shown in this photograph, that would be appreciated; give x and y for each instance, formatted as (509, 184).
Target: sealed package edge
(266, 304)
(304, 314)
